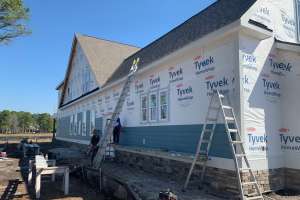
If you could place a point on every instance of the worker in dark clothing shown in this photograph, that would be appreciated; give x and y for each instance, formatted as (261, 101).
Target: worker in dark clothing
(116, 131)
(94, 141)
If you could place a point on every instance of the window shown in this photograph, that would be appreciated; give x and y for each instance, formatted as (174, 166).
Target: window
(86, 82)
(71, 125)
(153, 107)
(75, 123)
(79, 128)
(92, 127)
(84, 124)
(83, 83)
(144, 108)
(163, 104)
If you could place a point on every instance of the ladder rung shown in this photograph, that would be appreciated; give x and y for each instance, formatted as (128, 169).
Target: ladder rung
(214, 108)
(237, 142)
(249, 183)
(226, 107)
(241, 169)
(202, 151)
(232, 130)
(211, 119)
(229, 118)
(197, 171)
(240, 155)
(206, 141)
(208, 130)
(258, 197)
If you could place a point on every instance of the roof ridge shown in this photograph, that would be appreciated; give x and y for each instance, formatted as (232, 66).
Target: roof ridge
(107, 40)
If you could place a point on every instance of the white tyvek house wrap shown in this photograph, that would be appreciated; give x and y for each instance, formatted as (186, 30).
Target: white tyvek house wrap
(262, 98)
(288, 134)
(281, 17)
(80, 66)
(188, 84)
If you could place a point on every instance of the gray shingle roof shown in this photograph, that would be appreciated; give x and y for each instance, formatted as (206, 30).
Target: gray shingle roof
(104, 56)
(214, 17)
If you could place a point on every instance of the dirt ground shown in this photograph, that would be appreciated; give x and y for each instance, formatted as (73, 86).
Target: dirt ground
(14, 176)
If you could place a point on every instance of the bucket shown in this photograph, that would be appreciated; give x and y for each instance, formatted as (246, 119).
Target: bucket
(3, 154)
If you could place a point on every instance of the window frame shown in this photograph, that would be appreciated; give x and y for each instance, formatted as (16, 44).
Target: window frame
(152, 107)
(75, 124)
(71, 124)
(145, 108)
(92, 121)
(87, 81)
(160, 105)
(84, 123)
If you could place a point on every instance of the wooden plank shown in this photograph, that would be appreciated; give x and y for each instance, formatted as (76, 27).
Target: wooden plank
(51, 171)
(67, 181)
(30, 172)
(38, 184)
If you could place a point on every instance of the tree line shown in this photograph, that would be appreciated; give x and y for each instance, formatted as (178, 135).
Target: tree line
(25, 122)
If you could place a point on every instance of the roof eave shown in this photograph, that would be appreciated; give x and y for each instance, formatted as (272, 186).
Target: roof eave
(250, 29)
(60, 84)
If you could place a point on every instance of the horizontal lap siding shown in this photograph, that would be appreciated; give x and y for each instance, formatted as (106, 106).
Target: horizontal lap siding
(88, 116)
(64, 128)
(179, 138)
(99, 125)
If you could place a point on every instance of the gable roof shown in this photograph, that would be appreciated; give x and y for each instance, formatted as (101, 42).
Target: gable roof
(103, 56)
(214, 17)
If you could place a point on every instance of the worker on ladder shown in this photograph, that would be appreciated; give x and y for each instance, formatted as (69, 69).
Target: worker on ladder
(116, 131)
(94, 141)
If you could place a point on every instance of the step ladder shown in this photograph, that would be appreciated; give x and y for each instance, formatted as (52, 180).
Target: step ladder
(233, 144)
(105, 139)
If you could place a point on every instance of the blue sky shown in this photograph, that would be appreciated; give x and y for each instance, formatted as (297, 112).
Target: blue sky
(32, 67)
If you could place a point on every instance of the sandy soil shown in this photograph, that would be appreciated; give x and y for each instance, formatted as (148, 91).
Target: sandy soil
(13, 180)
(14, 176)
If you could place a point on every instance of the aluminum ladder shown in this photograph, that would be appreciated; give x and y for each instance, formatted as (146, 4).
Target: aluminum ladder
(108, 131)
(220, 98)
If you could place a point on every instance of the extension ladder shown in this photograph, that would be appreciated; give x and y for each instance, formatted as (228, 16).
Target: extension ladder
(238, 142)
(108, 131)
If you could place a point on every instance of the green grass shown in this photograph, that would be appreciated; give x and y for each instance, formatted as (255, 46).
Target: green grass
(23, 135)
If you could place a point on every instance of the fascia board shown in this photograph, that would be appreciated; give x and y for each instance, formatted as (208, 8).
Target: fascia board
(70, 57)
(56, 88)
(288, 47)
(197, 43)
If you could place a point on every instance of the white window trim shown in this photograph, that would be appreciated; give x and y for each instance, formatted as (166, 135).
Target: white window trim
(92, 121)
(83, 123)
(168, 104)
(144, 121)
(150, 107)
(79, 128)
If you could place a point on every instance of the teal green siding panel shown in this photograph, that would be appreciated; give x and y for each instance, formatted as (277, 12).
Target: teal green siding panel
(99, 125)
(180, 138)
(64, 128)
(88, 121)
